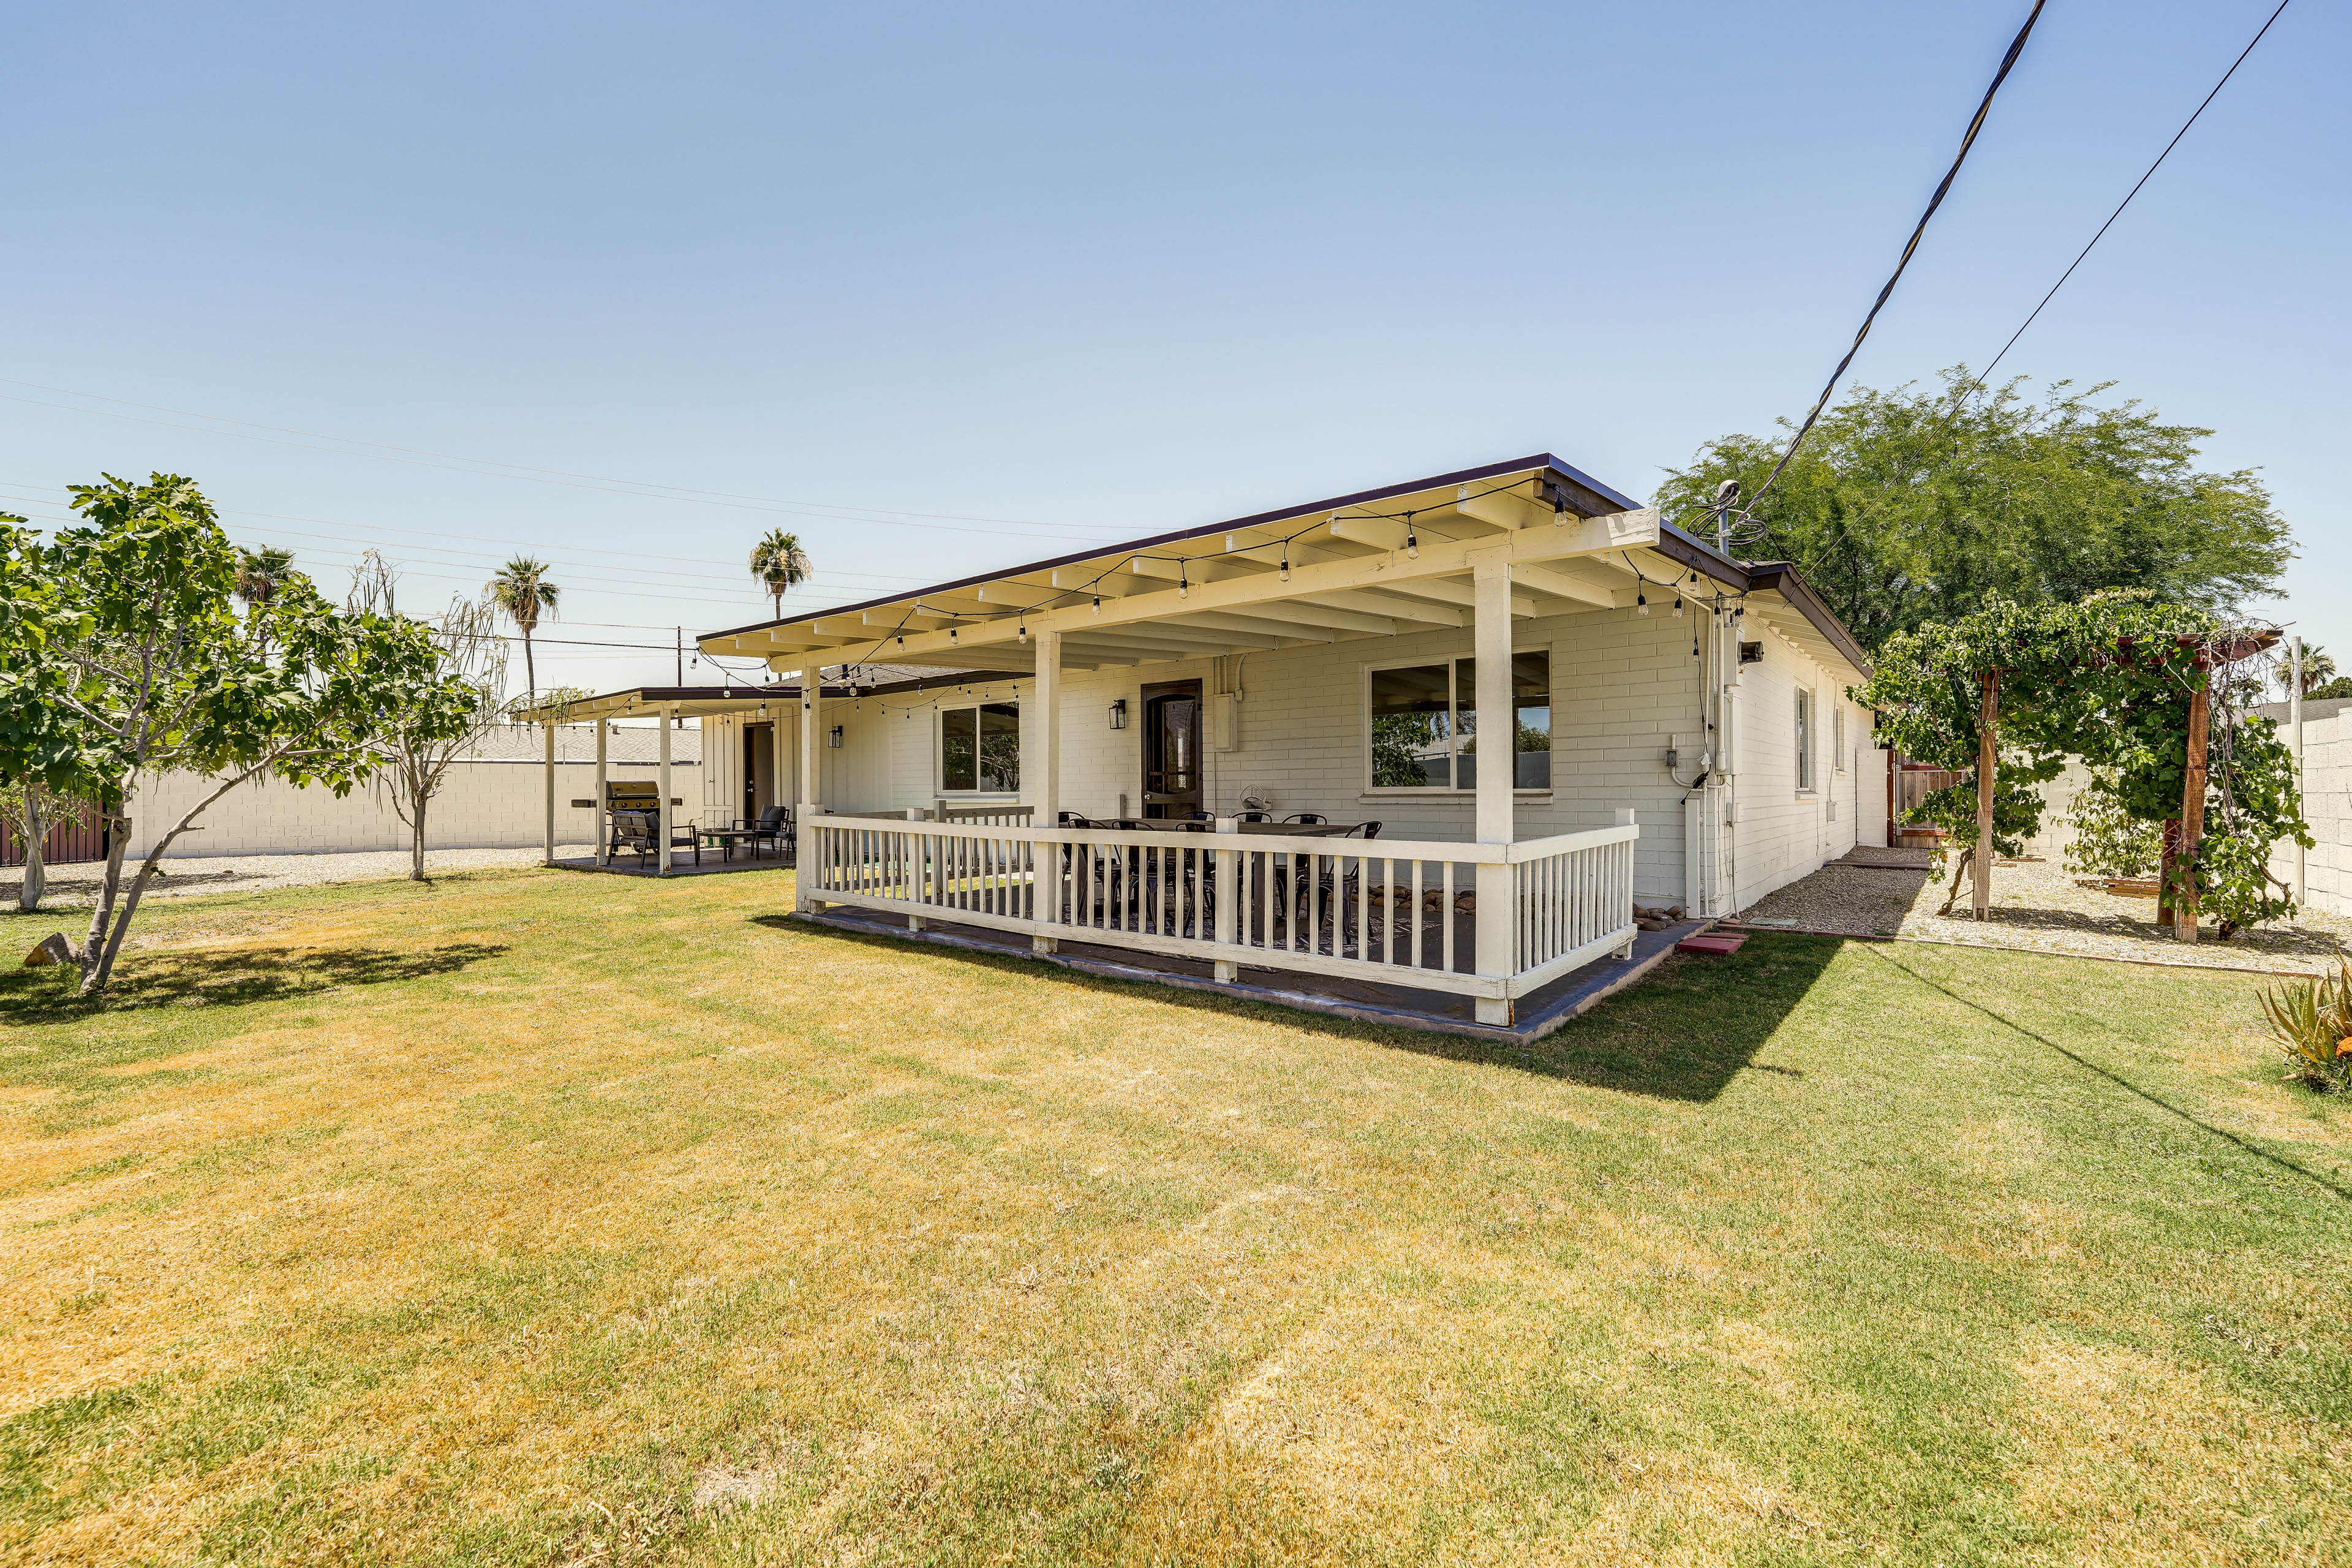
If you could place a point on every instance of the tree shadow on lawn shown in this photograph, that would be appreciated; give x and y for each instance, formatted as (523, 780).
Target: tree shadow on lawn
(1682, 1032)
(166, 979)
(2243, 1145)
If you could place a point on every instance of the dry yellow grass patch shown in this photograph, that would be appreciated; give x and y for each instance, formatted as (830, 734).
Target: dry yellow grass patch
(538, 1218)
(2143, 1461)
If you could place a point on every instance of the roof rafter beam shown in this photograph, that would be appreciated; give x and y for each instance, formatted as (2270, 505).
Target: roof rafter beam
(1387, 575)
(1271, 626)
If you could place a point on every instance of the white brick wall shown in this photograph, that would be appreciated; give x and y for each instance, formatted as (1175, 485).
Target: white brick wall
(1783, 833)
(1623, 685)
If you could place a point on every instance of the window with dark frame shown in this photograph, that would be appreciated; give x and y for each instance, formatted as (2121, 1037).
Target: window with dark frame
(1805, 738)
(979, 749)
(1423, 725)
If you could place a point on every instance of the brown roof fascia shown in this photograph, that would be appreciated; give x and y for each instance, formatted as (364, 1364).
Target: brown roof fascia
(1584, 491)
(1782, 578)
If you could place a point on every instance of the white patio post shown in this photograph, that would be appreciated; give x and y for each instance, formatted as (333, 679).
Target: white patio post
(1045, 795)
(812, 705)
(603, 826)
(777, 769)
(1498, 753)
(549, 857)
(666, 818)
(2295, 745)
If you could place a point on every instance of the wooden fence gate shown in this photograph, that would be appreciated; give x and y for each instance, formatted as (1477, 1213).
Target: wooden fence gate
(74, 836)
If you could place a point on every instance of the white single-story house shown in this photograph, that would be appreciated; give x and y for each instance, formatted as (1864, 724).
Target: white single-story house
(1679, 734)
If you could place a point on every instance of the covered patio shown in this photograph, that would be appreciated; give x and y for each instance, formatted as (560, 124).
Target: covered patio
(1523, 590)
(723, 840)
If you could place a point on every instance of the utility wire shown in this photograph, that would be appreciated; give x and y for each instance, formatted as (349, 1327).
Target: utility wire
(1987, 375)
(2016, 47)
(525, 467)
(788, 509)
(28, 490)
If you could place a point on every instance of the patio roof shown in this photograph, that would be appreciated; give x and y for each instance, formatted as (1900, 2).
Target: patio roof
(708, 701)
(1372, 563)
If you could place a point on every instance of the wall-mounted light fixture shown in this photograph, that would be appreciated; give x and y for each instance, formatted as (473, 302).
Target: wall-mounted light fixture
(833, 737)
(1118, 712)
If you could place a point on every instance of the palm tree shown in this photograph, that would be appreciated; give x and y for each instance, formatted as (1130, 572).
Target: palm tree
(2318, 669)
(260, 575)
(780, 562)
(523, 591)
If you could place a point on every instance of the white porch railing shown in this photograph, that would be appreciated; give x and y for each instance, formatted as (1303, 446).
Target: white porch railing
(1394, 912)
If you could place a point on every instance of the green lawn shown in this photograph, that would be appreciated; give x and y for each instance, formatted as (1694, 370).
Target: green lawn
(536, 1217)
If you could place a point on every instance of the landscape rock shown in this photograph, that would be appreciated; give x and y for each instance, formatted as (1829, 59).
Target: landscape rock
(54, 949)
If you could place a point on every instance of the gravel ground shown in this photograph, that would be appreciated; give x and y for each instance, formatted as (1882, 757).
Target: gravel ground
(2037, 907)
(76, 886)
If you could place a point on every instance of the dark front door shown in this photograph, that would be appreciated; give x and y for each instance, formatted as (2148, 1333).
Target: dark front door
(1171, 748)
(759, 769)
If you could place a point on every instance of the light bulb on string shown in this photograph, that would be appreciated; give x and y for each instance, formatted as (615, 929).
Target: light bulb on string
(1285, 564)
(1678, 607)
(1412, 542)
(1183, 582)
(1641, 603)
(1099, 604)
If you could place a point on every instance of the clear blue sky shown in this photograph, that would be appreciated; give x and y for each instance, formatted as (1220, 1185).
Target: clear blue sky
(1103, 270)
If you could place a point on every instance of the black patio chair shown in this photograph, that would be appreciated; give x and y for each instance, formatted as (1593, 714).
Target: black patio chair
(1311, 819)
(774, 826)
(633, 830)
(686, 836)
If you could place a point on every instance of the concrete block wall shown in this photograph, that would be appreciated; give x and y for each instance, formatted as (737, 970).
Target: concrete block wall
(2327, 807)
(482, 804)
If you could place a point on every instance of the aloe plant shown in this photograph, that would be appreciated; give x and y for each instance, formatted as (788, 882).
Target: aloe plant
(2312, 1021)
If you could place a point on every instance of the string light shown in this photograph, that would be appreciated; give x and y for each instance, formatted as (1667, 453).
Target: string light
(1412, 542)
(1022, 635)
(1184, 582)
(1099, 604)
(1641, 603)
(1678, 607)
(1285, 561)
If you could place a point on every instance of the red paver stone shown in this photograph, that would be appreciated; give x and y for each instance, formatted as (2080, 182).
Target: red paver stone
(1721, 946)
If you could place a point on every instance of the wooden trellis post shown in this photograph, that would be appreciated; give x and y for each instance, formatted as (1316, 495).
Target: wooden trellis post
(2192, 812)
(1985, 765)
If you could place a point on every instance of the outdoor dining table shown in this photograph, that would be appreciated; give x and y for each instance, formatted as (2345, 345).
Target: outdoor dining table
(726, 838)
(1276, 830)
(1271, 885)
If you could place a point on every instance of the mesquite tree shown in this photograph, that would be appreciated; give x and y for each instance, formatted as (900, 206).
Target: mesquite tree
(2125, 685)
(122, 658)
(418, 743)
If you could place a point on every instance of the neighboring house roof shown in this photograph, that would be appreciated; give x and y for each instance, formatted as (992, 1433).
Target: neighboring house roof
(984, 606)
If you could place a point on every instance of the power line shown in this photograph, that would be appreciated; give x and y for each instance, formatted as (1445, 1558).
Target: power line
(696, 588)
(525, 467)
(1984, 378)
(703, 497)
(370, 529)
(2016, 47)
